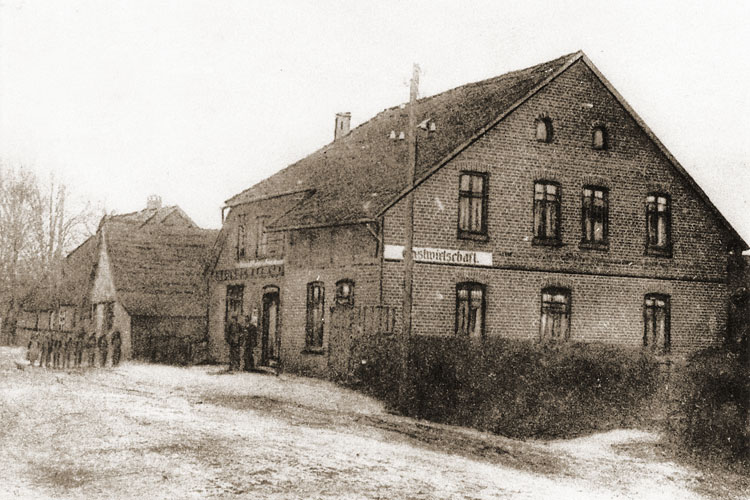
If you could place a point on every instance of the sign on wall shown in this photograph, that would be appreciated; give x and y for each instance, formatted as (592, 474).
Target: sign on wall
(248, 272)
(440, 256)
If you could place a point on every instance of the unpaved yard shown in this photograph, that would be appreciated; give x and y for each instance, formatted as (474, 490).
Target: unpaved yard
(143, 431)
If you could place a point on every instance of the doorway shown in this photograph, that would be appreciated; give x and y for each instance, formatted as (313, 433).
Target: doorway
(270, 335)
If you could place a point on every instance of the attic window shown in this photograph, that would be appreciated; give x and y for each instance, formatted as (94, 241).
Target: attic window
(599, 138)
(261, 238)
(242, 237)
(544, 129)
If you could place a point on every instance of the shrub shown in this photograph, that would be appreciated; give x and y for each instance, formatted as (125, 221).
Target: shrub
(376, 369)
(713, 391)
(520, 388)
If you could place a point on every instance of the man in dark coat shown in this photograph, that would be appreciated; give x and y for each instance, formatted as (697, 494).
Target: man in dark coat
(250, 337)
(91, 348)
(67, 349)
(44, 347)
(49, 343)
(56, 350)
(33, 352)
(103, 350)
(233, 336)
(80, 340)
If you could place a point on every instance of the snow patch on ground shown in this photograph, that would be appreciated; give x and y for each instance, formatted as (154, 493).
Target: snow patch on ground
(149, 431)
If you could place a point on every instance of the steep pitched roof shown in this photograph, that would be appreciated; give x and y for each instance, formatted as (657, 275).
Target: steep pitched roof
(41, 297)
(352, 179)
(357, 177)
(155, 265)
(75, 282)
(77, 273)
(158, 270)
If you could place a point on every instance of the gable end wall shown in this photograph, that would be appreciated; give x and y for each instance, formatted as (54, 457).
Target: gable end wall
(607, 287)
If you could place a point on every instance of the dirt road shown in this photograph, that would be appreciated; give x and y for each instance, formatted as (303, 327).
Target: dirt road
(143, 431)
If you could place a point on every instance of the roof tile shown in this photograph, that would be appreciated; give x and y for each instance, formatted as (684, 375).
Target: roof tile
(355, 177)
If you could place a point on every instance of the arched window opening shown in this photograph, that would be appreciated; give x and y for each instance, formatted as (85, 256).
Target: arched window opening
(599, 138)
(345, 292)
(544, 130)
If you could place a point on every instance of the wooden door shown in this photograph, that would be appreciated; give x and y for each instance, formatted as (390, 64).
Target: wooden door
(270, 335)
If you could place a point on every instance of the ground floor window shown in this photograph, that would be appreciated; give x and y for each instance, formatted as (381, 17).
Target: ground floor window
(315, 309)
(345, 292)
(656, 319)
(470, 306)
(555, 320)
(234, 302)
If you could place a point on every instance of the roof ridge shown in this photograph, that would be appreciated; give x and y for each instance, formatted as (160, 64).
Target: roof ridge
(319, 150)
(134, 212)
(485, 81)
(229, 202)
(569, 61)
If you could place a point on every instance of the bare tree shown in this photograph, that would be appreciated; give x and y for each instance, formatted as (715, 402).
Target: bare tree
(59, 227)
(37, 229)
(18, 199)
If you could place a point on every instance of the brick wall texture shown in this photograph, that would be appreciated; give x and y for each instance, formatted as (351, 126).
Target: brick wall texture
(607, 287)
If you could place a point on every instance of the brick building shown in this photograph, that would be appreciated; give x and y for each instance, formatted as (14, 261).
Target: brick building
(544, 209)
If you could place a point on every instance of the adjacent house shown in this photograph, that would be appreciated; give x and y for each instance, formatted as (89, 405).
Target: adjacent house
(738, 327)
(545, 209)
(138, 282)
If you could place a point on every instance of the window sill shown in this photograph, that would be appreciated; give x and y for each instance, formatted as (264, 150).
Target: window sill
(546, 242)
(659, 252)
(314, 350)
(592, 245)
(462, 235)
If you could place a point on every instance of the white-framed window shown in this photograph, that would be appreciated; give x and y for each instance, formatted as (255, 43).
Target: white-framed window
(555, 318)
(315, 319)
(470, 309)
(658, 224)
(656, 322)
(547, 195)
(472, 204)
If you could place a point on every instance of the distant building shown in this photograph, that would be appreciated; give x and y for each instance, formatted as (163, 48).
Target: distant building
(138, 281)
(545, 209)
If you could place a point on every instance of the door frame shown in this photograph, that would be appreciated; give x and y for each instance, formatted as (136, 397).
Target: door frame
(271, 294)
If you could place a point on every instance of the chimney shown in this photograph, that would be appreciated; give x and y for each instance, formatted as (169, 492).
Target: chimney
(343, 121)
(153, 202)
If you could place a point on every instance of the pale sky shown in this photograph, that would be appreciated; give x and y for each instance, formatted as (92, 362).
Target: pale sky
(198, 100)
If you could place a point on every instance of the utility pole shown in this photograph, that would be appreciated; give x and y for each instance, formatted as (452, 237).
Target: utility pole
(409, 243)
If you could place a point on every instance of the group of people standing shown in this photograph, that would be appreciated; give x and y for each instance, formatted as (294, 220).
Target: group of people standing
(241, 335)
(72, 349)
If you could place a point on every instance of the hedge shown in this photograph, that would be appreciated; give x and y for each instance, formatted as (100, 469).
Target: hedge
(516, 388)
(713, 405)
